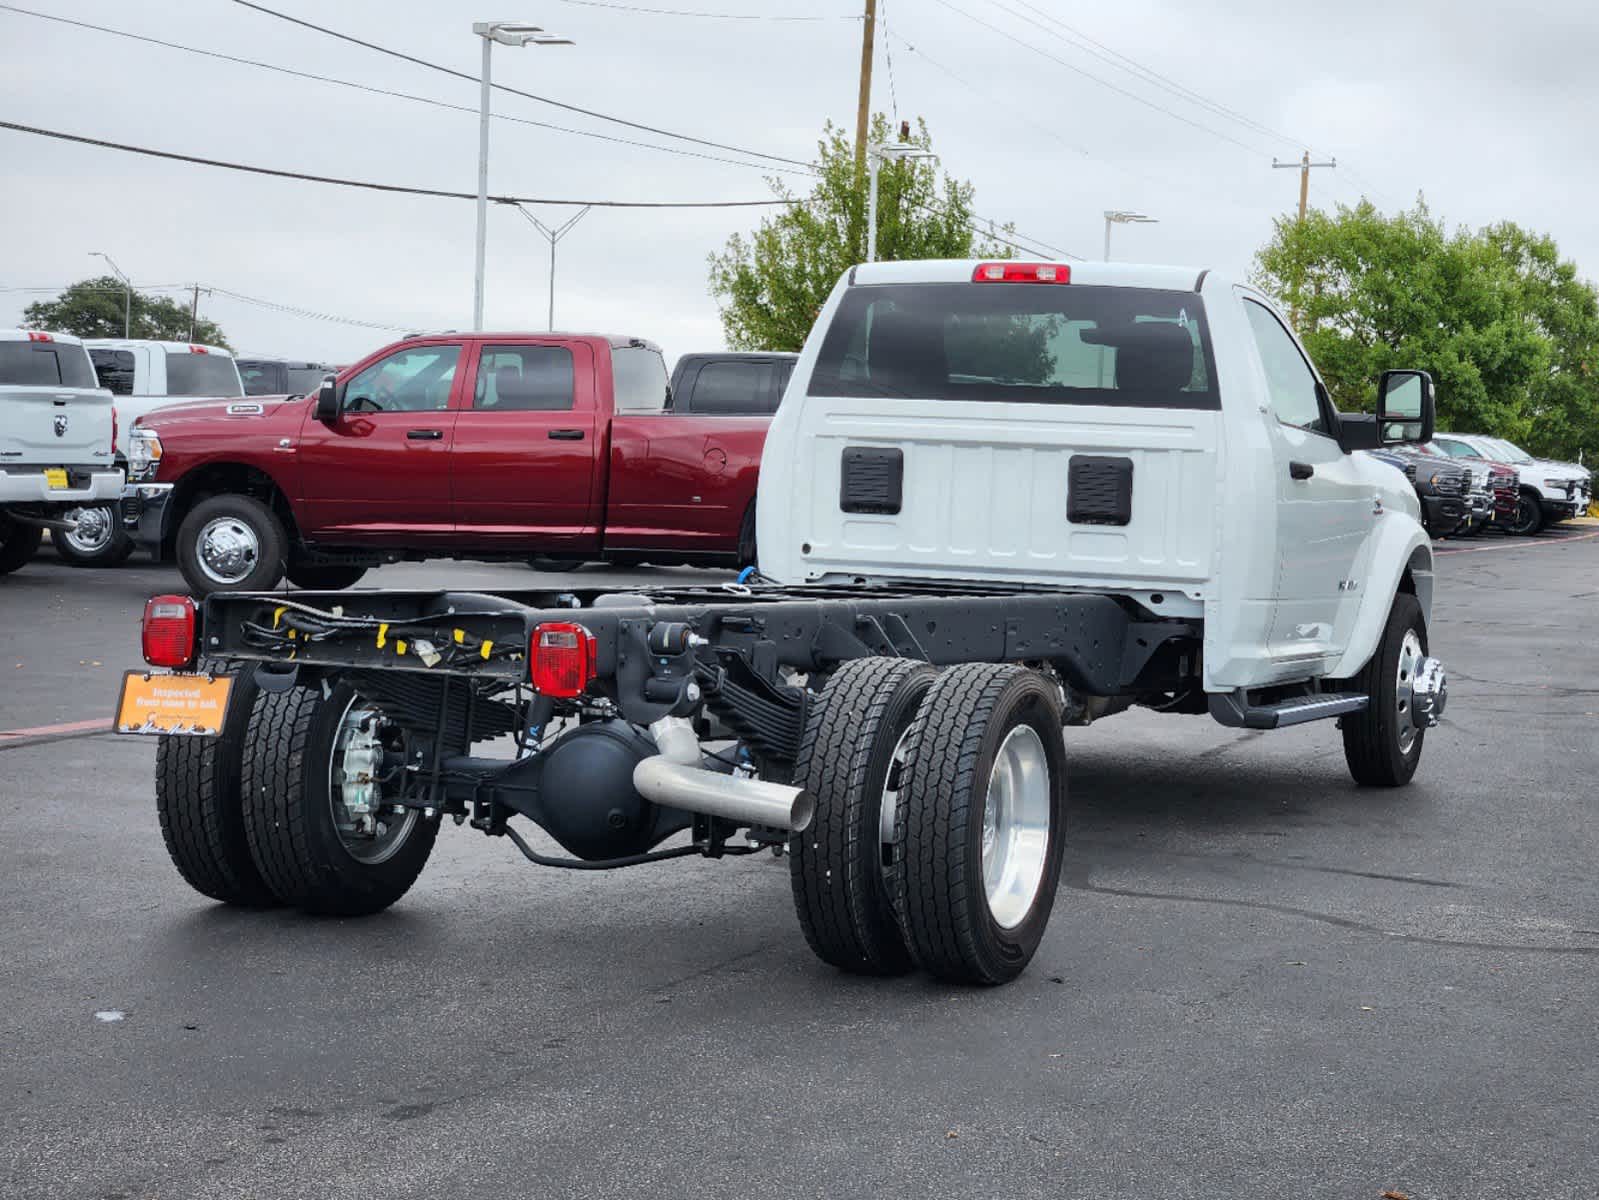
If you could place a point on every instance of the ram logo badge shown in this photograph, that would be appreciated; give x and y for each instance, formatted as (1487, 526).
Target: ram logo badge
(61, 424)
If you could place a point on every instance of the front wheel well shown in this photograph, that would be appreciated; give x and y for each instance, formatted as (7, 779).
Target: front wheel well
(226, 479)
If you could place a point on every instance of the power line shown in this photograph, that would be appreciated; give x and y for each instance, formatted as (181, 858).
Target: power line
(379, 187)
(587, 112)
(1115, 58)
(1226, 137)
(713, 16)
(308, 312)
(296, 73)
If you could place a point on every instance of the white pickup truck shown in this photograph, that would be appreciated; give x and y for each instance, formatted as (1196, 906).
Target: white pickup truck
(999, 501)
(56, 468)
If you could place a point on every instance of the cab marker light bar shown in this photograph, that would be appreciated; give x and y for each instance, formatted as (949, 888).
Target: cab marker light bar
(1021, 272)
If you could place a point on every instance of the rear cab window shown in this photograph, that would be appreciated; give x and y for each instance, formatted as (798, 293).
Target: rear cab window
(45, 364)
(732, 387)
(1020, 342)
(638, 378)
(194, 374)
(261, 378)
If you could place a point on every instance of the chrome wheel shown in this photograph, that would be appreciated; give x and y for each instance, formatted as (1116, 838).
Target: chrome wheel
(892, 782)
(1016, 826)
(228, 550)
(92, 531)
(369, 832)
(1410, 660)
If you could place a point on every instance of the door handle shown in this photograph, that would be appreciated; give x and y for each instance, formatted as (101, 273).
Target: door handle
(425, 435)
(1299, 470)
(566, 435)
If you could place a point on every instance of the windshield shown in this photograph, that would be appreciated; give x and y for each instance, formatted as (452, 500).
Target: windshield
(202, 375)
(1036, 343)
(1511, 452)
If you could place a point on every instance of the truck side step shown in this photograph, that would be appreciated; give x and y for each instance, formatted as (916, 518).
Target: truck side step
(1234, 709)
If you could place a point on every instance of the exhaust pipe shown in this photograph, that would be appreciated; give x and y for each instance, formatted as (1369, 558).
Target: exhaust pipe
(745, 801)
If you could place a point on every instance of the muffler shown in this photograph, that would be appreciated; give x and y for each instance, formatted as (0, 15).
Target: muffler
(744, 801)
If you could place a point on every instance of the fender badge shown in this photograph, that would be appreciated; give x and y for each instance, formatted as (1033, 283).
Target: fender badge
(245, 410)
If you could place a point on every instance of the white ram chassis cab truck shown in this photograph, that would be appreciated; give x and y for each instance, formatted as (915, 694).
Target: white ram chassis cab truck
(999, 501)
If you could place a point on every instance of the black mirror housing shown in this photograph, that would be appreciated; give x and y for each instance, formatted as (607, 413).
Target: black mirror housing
(1405, 407)
(327, 401)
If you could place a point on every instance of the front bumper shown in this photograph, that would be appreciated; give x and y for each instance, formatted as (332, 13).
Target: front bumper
(1444, 514)
(145, 511)
(88, 485)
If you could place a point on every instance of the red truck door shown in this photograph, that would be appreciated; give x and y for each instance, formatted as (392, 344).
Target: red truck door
(527, 441)
(380, 474)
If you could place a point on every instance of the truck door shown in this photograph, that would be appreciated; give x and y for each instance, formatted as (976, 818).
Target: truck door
(526, 443)
(1325, 512)
(380, 474)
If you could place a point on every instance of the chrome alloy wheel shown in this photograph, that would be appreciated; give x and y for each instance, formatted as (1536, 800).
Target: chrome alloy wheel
(228, 550)
(368, 832)
(1016, 826)
(1411, 659)
(91, 531)
(892, 782)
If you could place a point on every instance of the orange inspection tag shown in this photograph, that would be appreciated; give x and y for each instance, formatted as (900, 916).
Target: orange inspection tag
(195, 705)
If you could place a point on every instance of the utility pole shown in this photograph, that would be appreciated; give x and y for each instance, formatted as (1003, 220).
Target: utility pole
(1303, 167)
(863, 105)
(194, 311)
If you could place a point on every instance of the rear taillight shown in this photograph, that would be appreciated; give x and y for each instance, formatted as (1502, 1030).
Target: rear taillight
(113, 426)
(168, 633)
(198, 350)
(40, 337)
(561, 659)
(1021, 272)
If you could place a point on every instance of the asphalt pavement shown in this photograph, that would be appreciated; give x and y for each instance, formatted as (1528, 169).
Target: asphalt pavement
(1260, 980)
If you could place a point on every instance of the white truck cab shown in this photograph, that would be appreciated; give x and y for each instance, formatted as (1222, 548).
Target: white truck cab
(56, 425)
(146, 375)
(1154, 433)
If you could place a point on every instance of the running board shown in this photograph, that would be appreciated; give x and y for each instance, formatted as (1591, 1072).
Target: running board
(1234, 710)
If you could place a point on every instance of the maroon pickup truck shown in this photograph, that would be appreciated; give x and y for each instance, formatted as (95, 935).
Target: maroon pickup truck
(555, 449)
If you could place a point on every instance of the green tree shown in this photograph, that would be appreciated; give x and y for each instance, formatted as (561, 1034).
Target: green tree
(94, 308)
(770, 284)
(1508, 330)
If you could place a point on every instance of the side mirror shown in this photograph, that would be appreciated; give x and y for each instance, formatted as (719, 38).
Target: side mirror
(1405, 407)
(327, 401)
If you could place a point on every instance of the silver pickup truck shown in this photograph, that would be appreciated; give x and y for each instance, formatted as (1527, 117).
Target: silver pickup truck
(56, 430)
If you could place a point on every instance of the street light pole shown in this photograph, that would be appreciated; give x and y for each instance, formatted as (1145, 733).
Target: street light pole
(887, 152)
(553, 236)
(1121, 216)
(507, 33)
(127, 286)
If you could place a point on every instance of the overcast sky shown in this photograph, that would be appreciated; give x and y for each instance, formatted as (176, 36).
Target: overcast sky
(1489, 109)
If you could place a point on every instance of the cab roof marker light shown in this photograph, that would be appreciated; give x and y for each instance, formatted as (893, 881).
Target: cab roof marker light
(40, 337)
(1022, 272)
(198, 350)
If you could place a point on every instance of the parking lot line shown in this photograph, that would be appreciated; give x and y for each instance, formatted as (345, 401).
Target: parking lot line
(52, 732)
(1529, 544)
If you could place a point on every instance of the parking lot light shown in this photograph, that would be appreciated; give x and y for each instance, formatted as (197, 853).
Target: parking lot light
(887, 152)
(507, 33)
(127, 285)
(1121, 216)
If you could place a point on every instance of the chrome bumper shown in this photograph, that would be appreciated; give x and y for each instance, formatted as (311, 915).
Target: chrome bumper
(144, 514)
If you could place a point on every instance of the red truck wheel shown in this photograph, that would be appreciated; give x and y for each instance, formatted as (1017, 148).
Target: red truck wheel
(231, 544)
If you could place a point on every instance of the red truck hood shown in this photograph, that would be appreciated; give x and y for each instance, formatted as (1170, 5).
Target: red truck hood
(235, 408)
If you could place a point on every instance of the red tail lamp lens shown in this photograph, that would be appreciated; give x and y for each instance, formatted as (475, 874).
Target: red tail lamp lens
(168, 633)
(563, 659)
(1021, 272)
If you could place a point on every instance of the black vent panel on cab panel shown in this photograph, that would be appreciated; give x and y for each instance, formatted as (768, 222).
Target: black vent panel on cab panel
(1099, 490)
(872, 480)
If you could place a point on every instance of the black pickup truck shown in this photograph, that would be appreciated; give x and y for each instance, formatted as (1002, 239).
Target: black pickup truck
(730, 382)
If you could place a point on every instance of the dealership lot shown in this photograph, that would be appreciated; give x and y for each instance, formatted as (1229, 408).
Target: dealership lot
(1260, 979)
